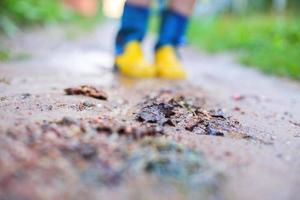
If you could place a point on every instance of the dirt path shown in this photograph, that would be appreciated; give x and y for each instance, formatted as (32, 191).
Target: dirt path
(49, 142)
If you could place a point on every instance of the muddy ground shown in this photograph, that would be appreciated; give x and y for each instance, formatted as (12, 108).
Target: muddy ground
(228, 132)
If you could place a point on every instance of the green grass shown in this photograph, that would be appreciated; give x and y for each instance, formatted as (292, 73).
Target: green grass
(7, 55)
(268, 43)
(15, 14)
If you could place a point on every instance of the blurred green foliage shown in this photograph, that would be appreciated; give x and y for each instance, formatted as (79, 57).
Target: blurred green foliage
(4, 55)
(7, 55)
(260, 6)
(15, 13)
(270, 43)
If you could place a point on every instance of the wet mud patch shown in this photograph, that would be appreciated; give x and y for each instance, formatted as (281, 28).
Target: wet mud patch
(87, 90)
(104, 126)
(188, 113)
(97, 153)
(167, 158)
(114, 148)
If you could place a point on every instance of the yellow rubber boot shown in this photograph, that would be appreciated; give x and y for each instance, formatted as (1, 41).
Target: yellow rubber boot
(167, 63)
(132, 62)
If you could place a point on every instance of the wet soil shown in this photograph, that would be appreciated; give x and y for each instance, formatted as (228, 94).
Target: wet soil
(87, 90)
(226, 133)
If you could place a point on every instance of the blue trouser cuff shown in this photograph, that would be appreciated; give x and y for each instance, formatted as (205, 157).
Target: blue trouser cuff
(172, 29)
(134, 24)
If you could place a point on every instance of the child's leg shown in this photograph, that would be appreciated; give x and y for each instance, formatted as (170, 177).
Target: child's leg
(172, 32)
(184, 8)
(144, 3)
(134, 23)
(129, 56)
(174, 22)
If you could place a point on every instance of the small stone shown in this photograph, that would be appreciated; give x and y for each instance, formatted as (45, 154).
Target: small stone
(25, 96)
(87, 151)
(67, 121)
(211, 131)
(87, 90)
